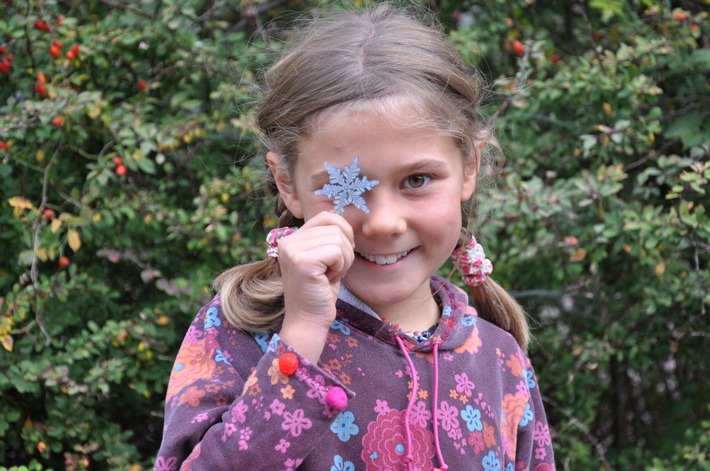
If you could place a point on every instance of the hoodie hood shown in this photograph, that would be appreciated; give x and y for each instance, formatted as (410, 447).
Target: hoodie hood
(457, 321)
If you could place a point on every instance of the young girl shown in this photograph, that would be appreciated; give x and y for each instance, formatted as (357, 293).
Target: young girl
(343, 350)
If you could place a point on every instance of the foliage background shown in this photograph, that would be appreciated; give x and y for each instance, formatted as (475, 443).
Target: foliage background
(598, 223)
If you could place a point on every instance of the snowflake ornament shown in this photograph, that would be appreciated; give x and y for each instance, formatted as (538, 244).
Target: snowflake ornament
(346, 187)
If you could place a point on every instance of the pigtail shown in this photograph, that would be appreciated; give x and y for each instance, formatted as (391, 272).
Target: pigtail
(252, 295)
(494, 304)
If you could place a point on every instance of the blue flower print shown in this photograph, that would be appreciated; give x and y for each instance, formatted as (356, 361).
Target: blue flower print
(472, 417)
(528, 416)
(342, 465)
(530, 378)
(211, 319)
(220, 357)
(345, 426)
(509, 467)
(446, 312)
(490, 462)
(337, 325)
(262, 340)
(468, 320)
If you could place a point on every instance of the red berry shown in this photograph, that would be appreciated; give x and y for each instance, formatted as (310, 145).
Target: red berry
(5, 65)
(680, 16)
(141, 85)
(64, 261)
(40, 88)
(73, 52)
(48, 214)
(2, 50)
(117, 161)
(58, 121)
(121, 170)
(518, 48)
(555, 58)
(597, 35)
(4, 146)
(55, 51)
(41, 25)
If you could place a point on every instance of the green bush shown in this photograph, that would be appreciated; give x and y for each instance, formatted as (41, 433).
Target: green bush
(131, 176)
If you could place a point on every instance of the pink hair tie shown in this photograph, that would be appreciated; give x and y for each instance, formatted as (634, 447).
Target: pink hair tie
(273, 238)
(471, 261)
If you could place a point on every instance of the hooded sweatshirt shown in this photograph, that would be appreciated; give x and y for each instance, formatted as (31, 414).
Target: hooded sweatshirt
(464, 397)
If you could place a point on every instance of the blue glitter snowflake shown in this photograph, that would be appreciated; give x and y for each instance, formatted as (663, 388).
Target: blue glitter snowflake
(346, 187)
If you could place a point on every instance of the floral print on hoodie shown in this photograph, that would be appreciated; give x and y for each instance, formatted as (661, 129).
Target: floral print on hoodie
(229, 407)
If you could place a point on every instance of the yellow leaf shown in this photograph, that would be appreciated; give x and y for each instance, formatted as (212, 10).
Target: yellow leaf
(18, 202)
(578, 255)
(74, 240)
(7, 342)
(607, 108)
(56, 224)
(660, 269)
(42, 254)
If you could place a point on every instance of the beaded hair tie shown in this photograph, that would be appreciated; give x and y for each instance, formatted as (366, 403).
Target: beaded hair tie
(471, 261)
(273, 238)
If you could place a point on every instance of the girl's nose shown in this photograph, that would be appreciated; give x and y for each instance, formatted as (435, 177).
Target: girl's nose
(386, 217)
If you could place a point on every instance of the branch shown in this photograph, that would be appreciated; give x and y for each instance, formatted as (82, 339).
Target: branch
(35, 243)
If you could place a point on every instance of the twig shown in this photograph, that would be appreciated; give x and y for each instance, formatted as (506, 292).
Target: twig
(35, 243)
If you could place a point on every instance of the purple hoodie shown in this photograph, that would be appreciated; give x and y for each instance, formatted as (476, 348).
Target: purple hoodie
(466, 398)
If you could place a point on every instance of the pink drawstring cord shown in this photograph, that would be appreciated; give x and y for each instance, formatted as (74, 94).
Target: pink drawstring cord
(439, 455)
(415, 386)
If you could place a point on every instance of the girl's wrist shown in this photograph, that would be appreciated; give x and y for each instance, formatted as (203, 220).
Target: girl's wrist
(306, 338)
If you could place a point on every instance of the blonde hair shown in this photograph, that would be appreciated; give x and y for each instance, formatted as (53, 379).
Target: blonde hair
(352, 59)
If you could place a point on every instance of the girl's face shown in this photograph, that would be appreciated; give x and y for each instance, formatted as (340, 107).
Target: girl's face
(415, 212)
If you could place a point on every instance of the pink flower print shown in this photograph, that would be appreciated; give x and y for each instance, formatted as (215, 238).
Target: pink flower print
(449, 421)
(282, 446)
(161, 464)
(239, 413)
(448, 356)
(475, 439)
(464, 385)
(317, 389)
(277, 407)
(200, 418)
(193, 335)
(296, 422)
(229, 430)
(540, 453)
(381, 407)
(244, 437)
(384, 444)
(544, 467)
(419, 414)
(541, 434)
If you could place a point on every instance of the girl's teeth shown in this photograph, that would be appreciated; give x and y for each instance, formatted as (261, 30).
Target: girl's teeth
(384, 259)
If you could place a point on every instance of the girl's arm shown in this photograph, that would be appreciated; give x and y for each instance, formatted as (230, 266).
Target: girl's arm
(229, 406)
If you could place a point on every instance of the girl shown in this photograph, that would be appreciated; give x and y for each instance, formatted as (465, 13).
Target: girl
(343, 350)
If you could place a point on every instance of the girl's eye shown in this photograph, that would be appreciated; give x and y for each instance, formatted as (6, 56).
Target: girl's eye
(417, 181)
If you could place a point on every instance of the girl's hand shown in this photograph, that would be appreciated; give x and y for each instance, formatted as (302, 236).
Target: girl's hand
(313, 260)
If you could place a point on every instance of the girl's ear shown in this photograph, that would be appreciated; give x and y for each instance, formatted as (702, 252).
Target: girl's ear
(284, 184)
(470, 173)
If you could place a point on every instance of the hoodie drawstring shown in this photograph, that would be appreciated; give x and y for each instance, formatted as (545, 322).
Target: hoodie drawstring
(415, 388)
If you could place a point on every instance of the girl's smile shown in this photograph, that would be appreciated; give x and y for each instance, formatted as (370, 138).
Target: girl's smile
(414, 218)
